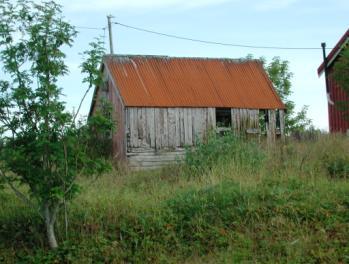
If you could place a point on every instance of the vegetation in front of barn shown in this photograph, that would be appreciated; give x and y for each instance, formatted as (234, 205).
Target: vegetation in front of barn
(237, 203)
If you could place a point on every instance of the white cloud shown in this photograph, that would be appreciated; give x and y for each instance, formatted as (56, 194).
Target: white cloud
(268, 5)
(85, 5)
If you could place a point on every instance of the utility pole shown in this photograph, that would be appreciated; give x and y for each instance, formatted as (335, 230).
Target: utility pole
(110, 29)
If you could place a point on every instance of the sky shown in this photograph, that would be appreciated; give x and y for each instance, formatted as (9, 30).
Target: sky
(289, 23)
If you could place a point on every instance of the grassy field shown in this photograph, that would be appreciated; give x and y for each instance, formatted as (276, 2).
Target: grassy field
(230, 202)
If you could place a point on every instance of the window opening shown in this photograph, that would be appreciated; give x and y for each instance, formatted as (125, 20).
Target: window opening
(263, 120)
(223, 117)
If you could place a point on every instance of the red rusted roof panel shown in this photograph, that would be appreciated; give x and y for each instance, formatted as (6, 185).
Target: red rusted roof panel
(158, 81)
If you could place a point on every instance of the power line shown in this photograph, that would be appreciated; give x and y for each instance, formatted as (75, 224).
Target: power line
(91, 28)
(215, 42)
(95, 28)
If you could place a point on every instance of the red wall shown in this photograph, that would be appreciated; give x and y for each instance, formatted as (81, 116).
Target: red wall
(336, 120)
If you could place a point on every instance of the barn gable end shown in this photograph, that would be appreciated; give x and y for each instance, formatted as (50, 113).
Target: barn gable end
(337, 123)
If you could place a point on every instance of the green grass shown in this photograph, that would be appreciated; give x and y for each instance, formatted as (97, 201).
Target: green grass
(241, 203)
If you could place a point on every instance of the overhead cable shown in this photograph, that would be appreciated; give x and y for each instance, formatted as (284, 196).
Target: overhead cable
(215, 42)
(91, 28)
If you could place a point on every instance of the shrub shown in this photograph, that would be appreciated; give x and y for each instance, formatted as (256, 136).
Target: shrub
(218, 150)
(337, 167)
(336, 159)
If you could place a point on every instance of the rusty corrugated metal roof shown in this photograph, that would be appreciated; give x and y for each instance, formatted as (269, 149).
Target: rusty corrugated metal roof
(160, 81)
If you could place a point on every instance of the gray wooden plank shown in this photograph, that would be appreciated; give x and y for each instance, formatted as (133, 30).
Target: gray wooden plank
(182, 126)
(271, 127)
(199, 125)
(141, 126)
(177, 127)
(158, 128)
(235, 114)
(203, 125)
(282, 123)
(133, 127)
(256, 119)
(186, 126)
(127, 128)
(244, 118)
(164, 136)
(252, 116)
(157, 158)
(211, 118)
(171, 127)
(151, 126)
(151, 150)
(189, 140)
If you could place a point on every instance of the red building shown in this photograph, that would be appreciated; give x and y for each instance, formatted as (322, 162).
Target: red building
(337, 123)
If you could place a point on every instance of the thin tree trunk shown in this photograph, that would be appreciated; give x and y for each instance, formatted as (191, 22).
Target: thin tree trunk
(50, 219)
(51, 236)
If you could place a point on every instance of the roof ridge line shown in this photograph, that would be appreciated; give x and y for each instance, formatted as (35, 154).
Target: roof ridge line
(179, 57)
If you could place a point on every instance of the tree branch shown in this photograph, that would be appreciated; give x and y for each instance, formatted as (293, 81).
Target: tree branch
(20, 195)
(82, 100)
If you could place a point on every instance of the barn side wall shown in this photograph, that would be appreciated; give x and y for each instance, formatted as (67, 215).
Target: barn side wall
(158, 136)
(337, 123)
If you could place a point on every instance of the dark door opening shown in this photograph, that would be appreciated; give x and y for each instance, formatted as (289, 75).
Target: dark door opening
(223, 117)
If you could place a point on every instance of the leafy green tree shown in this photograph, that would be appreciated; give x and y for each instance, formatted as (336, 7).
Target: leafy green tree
(280, 75)
(341, 76)
(43, 147)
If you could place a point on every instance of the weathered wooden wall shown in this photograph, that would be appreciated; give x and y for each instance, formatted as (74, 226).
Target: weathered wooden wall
(157, 136)
(145, 158)
(118, 139)
(167, 128)
(244, 120)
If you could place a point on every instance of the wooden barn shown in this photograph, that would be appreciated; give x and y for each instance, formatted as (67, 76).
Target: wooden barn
(162, 104)
(337, 122)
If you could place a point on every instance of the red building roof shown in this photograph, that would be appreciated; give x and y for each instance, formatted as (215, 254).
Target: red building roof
(335, 52)
(159, 81)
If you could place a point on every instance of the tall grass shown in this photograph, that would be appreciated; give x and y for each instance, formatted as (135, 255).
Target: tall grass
(219, 151)
(232, 201)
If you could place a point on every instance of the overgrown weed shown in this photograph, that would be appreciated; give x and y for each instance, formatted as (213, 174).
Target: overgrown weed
(255, 204)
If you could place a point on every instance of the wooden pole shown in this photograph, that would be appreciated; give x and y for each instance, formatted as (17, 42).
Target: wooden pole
(110, 29)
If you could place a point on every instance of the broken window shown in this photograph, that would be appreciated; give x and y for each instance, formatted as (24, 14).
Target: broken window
(263, 120)
(223, 117)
